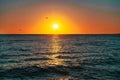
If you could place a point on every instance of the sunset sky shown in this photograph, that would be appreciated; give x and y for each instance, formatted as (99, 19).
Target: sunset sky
(71, 16)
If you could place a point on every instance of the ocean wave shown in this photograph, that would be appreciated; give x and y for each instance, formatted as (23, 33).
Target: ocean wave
(38, 70)
(66, 57)
(36, 59)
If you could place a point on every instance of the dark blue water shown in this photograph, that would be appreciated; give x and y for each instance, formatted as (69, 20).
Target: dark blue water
(59, 57)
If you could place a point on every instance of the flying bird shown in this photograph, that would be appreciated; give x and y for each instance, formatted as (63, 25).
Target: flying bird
(46, 17)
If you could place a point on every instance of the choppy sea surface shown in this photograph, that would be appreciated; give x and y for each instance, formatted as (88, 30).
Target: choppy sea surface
(59, 57)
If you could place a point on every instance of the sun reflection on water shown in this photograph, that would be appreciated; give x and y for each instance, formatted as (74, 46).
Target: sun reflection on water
(50, 58)
(55, 48)
(55, 44)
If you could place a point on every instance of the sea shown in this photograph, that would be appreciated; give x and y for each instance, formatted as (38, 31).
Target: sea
(60, 57)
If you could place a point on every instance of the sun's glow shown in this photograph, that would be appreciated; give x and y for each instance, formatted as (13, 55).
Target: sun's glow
(55, 26)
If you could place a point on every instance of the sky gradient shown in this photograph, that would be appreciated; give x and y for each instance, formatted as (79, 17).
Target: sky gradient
(72, 16)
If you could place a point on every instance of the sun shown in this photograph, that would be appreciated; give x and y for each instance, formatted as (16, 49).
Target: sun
(55, 26)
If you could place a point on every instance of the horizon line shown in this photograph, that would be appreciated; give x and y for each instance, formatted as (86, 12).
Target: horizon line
(67, 34)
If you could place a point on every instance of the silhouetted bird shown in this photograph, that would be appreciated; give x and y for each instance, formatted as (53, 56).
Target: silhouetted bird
(46, 17)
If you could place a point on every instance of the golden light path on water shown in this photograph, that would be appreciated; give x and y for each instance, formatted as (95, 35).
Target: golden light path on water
(55, 48)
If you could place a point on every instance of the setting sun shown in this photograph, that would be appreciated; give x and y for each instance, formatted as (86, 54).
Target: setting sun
(55, 26)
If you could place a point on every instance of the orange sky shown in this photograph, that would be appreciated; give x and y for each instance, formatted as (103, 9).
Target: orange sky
(72, 18)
